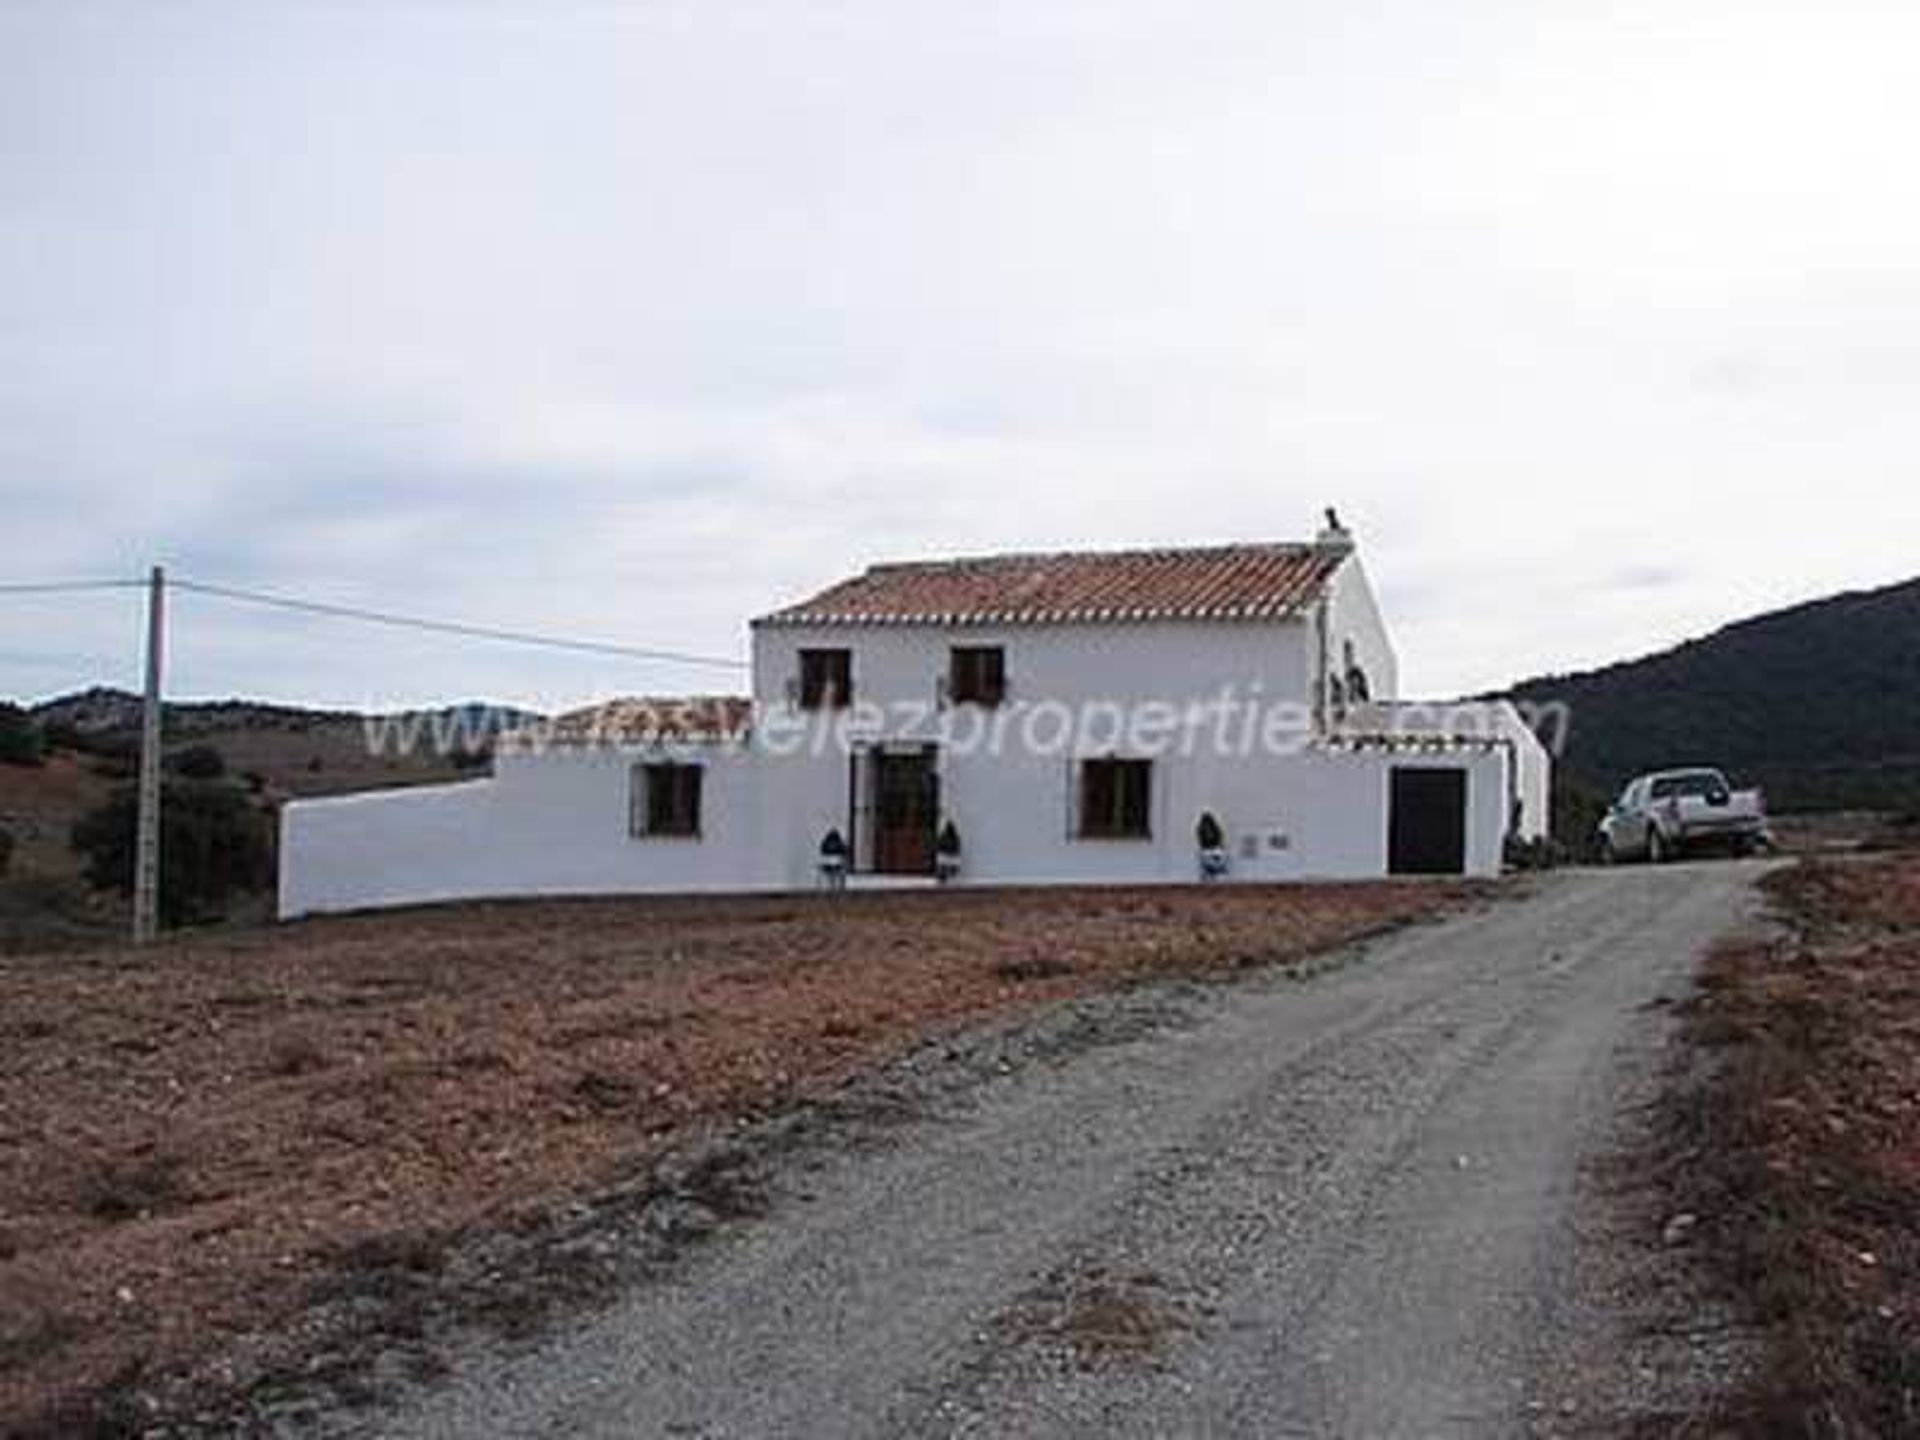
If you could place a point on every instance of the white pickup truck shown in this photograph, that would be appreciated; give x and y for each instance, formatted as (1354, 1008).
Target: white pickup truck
(1669, 812)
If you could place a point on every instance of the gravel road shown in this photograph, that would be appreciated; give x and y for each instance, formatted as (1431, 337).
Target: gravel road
(1349, 1206)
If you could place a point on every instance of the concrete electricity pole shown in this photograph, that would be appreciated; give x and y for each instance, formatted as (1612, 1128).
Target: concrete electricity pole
(146, 861)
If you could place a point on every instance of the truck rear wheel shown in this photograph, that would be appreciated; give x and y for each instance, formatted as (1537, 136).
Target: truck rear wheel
(1658, 851)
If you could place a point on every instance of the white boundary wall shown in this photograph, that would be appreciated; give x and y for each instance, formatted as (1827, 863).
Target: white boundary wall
(557, 824)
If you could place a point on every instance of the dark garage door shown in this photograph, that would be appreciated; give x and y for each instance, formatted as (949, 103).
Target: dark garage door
(1427, 822)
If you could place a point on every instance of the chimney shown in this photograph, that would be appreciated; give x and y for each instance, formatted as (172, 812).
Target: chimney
(1334, 537)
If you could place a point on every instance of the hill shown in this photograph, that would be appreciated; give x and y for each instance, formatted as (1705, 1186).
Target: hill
(288, 750)
(89, 744)
(104, 710)
(1819, 703)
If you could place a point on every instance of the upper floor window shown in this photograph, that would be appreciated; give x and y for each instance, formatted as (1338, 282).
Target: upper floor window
(1115, 799)
(826, 679)
(665, 800)
(977, 675)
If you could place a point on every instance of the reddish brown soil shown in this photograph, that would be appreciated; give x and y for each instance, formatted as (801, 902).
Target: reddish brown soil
(190, 1137)
(1800, 1149)
(38, 807)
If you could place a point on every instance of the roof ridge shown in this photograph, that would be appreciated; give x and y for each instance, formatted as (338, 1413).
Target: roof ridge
(1125, 552)
(1239, 580)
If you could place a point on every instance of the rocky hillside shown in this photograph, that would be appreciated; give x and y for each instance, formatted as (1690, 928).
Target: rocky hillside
(281, 750)
(1819, 703)
(104, 710)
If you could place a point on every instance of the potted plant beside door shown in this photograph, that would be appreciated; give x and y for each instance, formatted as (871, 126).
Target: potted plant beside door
(946, 854)
(1212, 843)
(833, 860)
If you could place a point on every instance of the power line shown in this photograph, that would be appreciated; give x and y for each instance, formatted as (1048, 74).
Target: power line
(381, 617)
(453, 627)
(64, 587)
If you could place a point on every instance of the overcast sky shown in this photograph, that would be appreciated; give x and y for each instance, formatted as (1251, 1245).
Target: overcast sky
(1600, 322)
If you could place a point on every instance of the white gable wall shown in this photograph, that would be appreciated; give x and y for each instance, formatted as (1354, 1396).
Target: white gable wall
(1353, 617)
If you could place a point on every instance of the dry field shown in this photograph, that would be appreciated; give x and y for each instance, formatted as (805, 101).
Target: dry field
(1796, 1141)
(195, 1141)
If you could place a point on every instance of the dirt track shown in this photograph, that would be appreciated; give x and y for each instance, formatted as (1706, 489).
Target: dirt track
(1353, 1207)
(200, 1141)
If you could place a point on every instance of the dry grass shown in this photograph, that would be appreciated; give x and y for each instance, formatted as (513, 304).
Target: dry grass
(1096, 1317)
(200, 1140)
(1798, 1143)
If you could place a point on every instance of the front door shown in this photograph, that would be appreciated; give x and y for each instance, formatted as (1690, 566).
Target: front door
(1427, 822)
(906, 810)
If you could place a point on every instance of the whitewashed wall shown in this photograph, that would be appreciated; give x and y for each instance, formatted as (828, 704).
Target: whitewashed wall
(1353, 616)
(1535, 765)
(1327, 809)
(552, 824)
(894, 664)
(557, 823)
(1530, 773)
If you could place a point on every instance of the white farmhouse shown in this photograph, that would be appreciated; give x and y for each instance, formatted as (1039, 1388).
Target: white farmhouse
(1062, 718)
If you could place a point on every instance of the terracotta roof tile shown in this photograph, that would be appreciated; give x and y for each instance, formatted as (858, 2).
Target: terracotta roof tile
(633, 719)
(1226, 582)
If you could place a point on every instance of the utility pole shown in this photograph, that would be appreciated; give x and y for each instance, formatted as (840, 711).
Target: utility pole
(146, 861)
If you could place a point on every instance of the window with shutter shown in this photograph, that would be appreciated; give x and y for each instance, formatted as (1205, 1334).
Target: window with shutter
(1116, 799)
(665, 801)
(977, 675)
(826, 679)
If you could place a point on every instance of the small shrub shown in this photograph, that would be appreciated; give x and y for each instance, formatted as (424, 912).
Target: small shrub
(415, 1252)
(1542, 852)
(604, 1090)
(122, 766)
(215, 845)
(1036, 967)
(131, 1189)
(43, 913)
(198, 762)
(65, 735)
(464, 758)
(21, 742)
(6, 850)
(296, 1053)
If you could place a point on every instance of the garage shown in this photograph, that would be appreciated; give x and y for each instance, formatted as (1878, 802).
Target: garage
(1427, 821)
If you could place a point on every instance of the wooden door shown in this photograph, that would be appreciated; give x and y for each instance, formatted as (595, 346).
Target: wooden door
(906, 811)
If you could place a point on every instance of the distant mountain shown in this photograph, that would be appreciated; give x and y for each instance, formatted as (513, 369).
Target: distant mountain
(104, 710)
(284, 750)
(1819, 703)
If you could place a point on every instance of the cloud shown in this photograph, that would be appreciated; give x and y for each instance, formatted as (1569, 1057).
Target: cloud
(1645, 577)
(635, 321)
